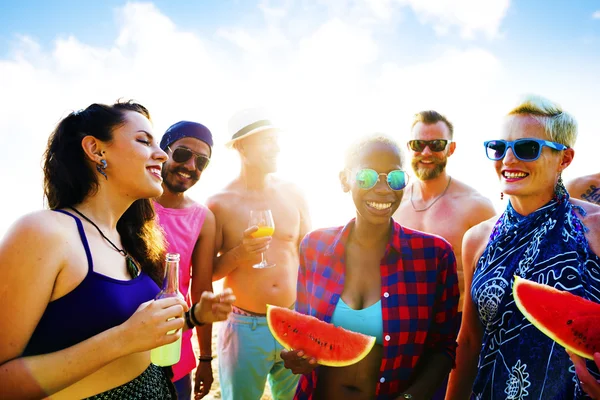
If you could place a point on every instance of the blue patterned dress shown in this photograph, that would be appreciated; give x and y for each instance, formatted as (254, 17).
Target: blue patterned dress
(517, 361)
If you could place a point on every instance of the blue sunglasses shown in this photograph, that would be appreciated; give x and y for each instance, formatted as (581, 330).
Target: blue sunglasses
(367, 178)
(523, 149)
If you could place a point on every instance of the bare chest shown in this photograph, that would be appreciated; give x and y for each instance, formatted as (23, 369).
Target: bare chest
(236, 218)
(446, 218)
(362, 278)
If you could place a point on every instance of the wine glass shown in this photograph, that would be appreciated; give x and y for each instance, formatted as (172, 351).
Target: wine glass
(263, 219)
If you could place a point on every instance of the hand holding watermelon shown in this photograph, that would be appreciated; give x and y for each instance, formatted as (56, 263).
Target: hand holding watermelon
(295, 361)
(306, 335)
(588, 383)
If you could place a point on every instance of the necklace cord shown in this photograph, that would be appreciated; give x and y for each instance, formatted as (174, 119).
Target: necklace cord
(412, 189)
(132, 267)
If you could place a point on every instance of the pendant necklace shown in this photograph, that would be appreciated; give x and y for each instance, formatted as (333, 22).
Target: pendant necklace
(433, 202)
(132, 267)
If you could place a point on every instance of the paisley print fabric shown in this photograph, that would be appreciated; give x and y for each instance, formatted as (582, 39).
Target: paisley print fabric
(517, 361)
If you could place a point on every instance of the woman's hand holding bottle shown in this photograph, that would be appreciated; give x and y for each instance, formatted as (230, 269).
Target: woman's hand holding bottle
(150, 325)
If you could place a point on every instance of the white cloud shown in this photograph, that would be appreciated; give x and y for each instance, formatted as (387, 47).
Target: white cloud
(456, 72)
(381, 8)
(323, 80)
(327, 76)
(470, 16)
(596, 15)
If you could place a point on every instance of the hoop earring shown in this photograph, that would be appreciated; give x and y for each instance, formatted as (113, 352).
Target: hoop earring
(101, 168)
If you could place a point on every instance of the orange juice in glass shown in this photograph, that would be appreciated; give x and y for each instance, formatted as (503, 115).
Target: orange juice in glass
(264, 231)
(263, 219)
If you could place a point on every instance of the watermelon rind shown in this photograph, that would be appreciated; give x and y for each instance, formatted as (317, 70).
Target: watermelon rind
(535, 322)
(335, 331)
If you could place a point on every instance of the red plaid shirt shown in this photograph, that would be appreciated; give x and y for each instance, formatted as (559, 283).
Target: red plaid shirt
(419, 299)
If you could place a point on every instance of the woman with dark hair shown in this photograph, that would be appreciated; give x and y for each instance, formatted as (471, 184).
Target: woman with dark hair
(78, 316)
(544, 236)
(379, 278)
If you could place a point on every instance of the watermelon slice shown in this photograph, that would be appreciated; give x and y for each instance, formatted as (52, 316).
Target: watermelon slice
(328, 344)
(569, 320)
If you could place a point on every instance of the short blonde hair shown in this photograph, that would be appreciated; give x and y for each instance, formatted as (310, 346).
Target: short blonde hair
(560, 126)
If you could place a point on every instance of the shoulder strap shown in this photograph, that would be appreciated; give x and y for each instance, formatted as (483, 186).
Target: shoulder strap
(82, 236)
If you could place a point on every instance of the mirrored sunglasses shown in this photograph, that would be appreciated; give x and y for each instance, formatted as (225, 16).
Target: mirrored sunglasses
(434, 145)
(367, 178)
(181, 155)
(523, 149)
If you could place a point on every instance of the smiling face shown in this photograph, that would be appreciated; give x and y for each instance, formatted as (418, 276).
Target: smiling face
(179, 177)
(377, 204)
(429, 164)
(260, 150)
(529, 178)
(134, 158)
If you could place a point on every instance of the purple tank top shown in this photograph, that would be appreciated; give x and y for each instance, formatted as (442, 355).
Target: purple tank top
(96, 305)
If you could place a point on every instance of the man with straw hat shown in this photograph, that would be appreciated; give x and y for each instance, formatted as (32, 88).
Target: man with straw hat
(248, 353)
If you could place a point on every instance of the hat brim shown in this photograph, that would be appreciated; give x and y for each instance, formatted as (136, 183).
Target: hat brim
(229, 144)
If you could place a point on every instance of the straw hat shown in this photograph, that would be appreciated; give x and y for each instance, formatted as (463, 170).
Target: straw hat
(248, 122)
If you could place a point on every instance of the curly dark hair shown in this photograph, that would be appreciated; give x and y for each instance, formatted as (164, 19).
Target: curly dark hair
(69, 179)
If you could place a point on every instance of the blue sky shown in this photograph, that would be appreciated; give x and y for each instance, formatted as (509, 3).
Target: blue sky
(527, 23)
(93, 21)
(330, 70)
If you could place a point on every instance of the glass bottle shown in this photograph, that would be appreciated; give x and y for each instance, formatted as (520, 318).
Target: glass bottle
(169, 354)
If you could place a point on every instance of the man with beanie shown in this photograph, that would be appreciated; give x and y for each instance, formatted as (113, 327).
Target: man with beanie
(247, 352)
(190, 231)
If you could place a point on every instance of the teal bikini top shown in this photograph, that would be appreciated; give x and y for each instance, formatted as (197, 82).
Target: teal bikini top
(368, 321)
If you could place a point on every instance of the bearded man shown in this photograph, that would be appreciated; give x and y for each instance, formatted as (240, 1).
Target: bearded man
(435, 202)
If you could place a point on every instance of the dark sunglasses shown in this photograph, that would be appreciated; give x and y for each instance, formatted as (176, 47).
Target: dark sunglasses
(181, 155)
(434, 145)
(367, 178)
(523, 149)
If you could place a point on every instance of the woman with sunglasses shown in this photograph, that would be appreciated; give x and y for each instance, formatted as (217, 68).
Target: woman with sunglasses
(544, 236)
(78, 280)
(375, 277)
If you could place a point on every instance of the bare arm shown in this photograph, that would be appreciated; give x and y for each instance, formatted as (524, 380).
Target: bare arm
(202, 272)
(471, 332)
(572, 188)
(245, 254)
(577, 187)
(223, 263)
(592, 221)
(586, 188)
(33, 255)
(482, 210)
(305, 220)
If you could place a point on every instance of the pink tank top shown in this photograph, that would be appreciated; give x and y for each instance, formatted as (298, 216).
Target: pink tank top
(182, 228)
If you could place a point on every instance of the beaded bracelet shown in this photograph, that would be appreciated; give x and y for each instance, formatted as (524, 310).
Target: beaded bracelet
(205, 358)
(193, 316)
(188, 321)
